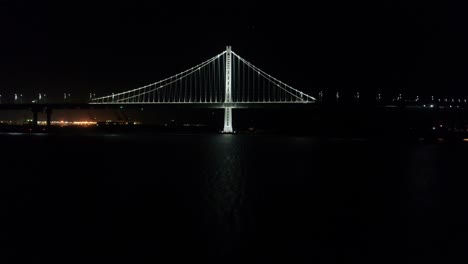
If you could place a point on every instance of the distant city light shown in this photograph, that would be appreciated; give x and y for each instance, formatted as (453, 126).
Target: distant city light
(67, 123)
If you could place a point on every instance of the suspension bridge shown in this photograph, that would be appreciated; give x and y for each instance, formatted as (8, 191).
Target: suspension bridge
(226, 81)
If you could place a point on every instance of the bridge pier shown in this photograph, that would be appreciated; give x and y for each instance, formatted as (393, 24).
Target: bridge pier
(35, 114)
(227, 120)
(49, 116)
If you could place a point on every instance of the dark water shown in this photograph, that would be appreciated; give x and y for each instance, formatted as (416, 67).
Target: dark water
(231, 199)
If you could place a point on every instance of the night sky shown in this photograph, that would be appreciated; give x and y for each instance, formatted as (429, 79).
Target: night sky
(414, 47)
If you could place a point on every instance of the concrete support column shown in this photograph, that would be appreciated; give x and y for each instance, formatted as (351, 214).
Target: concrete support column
(49, 116)
(35, 114)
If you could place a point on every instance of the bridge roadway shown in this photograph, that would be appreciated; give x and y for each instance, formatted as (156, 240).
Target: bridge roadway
(71, 106)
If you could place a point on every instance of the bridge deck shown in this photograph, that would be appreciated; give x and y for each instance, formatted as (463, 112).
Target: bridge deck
(59, 106)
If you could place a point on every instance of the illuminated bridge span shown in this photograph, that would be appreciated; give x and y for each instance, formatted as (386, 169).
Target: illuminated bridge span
(226, 79)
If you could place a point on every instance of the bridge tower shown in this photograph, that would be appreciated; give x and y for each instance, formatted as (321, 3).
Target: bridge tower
(228, 98)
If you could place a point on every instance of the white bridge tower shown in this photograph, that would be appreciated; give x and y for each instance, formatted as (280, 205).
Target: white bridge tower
(228, 99)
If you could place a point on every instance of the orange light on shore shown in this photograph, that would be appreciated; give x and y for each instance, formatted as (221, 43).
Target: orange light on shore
(83, 123)
(68, 123)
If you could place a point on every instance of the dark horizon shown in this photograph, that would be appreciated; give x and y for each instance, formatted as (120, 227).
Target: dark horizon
(78, 48)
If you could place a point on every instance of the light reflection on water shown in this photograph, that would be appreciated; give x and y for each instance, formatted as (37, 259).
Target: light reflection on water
(23, 134)
(225, 182)
(13, 134)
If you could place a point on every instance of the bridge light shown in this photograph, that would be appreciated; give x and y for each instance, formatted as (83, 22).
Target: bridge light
(432, 106)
